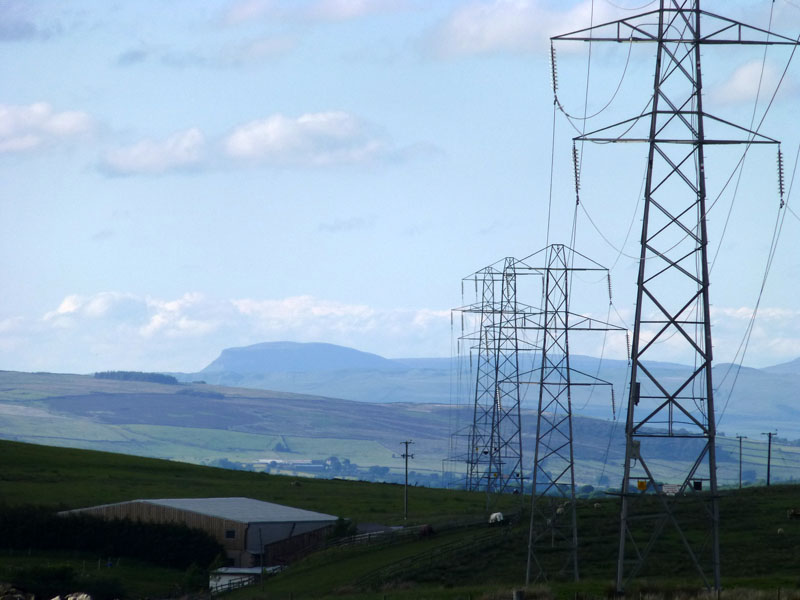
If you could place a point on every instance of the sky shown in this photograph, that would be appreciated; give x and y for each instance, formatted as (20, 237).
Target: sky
(181, 177)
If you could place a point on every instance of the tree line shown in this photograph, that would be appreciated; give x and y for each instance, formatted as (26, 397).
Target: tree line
(170, 545)
(137, 376)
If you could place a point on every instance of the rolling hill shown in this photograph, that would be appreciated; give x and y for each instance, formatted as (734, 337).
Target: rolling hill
(297, 434)
(748, 401)
(464, 558)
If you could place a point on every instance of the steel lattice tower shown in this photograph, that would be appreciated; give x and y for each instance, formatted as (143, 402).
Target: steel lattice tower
(553, 524)
(494, 461)
(672, 300)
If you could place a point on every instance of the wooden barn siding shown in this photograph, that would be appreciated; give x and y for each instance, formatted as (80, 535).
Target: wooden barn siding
(287, 551)
(153, 513)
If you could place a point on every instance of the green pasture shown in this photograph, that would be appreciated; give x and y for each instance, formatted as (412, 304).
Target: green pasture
(465, 558)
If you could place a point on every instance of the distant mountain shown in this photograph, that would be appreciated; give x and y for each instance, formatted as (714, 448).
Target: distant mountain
(760, 400)
(424, 363)
(788, 368)
(293, 357)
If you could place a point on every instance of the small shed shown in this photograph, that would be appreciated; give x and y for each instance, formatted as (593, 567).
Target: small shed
(253, 532)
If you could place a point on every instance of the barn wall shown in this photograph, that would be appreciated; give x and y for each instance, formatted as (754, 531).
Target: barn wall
(297, 546)
(264, 534)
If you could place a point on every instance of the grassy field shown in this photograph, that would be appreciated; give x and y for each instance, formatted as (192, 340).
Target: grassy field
(206, 424)
(458, 562)
(71, 478)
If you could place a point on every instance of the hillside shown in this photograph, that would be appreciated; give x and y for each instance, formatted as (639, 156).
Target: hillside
(302, 434)
(459, 561)
(290, 357)
(759, 401)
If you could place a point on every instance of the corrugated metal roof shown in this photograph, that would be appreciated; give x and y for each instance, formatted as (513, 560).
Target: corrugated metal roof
(243, 510)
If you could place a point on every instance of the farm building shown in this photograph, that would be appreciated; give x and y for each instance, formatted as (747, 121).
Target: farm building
(251, 531)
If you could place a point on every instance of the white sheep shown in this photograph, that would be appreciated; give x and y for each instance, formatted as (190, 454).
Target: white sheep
(780, 530)
(496, 518)
(596, 505)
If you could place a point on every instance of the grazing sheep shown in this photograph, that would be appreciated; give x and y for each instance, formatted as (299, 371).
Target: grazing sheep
(495, 518)
(560, 510)
(596, 505)
(793, 513)
(780, 530)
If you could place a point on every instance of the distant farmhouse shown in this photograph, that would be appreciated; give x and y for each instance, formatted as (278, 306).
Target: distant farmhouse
(251, 531)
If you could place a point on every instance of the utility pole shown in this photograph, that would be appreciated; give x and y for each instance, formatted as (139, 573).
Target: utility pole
(406, 456)
(769, 435)
(740, 438)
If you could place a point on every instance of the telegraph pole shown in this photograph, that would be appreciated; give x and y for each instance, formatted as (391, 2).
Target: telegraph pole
(769, 435)
(740, 438)
(406, 456)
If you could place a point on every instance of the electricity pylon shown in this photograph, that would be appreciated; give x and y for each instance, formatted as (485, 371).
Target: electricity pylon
(553, 525)
(494, 458)
(672, 301)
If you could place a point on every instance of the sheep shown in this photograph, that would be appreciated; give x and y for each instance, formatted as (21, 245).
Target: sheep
(793, 513)
(560, 510)
(596, 505)
(780, 530)
(495, 518)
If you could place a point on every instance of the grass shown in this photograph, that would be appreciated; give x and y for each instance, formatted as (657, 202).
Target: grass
(140, 579)
(204, 423)
(448, 565)
(72, 478)
(756, 561)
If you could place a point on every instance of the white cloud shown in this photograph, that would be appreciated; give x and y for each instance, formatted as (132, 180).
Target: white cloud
(116, 330)
(775, 337)
(104, 305)
(28, 127)
(743, 84)
(315, 139)
(302, 312)
(181, 150)
(311, 140)
(488, 27)
(184, 317)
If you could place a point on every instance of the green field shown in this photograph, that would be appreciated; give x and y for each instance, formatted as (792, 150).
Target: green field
(206, 424)
(464, 559)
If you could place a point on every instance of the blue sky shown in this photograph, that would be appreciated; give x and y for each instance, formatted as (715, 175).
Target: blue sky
(182, 177)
